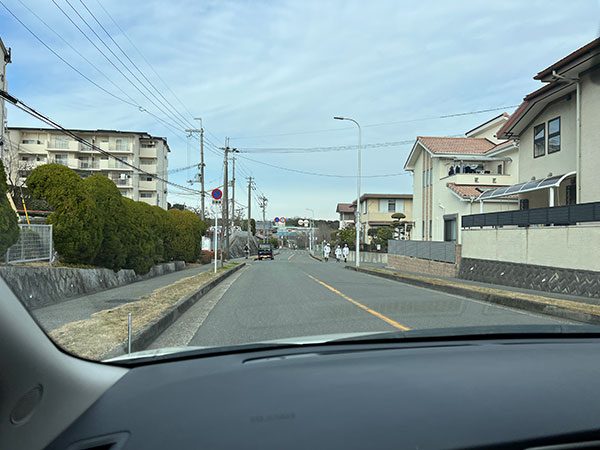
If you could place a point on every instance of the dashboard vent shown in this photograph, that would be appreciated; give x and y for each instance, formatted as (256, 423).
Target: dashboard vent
(114, 441)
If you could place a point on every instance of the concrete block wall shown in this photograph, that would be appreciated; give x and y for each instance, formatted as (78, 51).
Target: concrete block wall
(423, 266)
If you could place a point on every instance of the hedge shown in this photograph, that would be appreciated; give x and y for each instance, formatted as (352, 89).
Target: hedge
(95, 225)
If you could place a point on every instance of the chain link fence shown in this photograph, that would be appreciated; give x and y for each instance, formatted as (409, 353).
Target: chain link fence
(34, 244)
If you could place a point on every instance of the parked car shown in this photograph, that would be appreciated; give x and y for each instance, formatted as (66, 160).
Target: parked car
(265, 251)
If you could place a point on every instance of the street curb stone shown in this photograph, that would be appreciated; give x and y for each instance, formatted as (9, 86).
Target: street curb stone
(500, 298)
(142, 338)
(315, 257)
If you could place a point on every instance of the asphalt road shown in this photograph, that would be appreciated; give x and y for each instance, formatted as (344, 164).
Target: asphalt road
(296, 296)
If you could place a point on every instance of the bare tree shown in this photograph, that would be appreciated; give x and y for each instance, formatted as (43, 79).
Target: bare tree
(16, 169)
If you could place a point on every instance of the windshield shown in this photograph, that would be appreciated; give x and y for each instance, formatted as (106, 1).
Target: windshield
(210, 175)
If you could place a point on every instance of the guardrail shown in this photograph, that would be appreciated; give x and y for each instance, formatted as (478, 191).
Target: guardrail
(557, 215)
(432, 250)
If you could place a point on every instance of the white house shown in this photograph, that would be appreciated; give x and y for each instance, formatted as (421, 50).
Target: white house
(450, 173)
(28, 148)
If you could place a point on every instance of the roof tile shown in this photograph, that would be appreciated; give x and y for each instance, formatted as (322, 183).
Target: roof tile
(453, 145)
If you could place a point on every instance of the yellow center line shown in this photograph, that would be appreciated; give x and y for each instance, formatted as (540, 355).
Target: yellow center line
(360, 305)
(291, 256)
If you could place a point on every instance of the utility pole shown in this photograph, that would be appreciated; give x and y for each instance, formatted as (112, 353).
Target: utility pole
(233, 193)
(262, 202)
(201, 131)
(225, 245)
(250, 186)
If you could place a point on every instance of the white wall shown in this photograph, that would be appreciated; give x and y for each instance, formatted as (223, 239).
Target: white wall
(417, 206)
(572, 247)
(556, 163)
(590, 137)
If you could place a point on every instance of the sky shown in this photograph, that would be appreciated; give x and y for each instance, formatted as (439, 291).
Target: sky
(273, 74)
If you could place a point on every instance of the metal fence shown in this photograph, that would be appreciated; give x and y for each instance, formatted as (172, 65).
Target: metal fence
(34, 244)
(557, 215)
(433, 250)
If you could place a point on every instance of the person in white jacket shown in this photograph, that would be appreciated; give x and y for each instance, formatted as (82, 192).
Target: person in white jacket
(326, 252)
(338, 253)
(346, 252)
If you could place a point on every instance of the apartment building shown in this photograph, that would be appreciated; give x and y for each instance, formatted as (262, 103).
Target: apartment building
(377, 209)
(31, 147)
(451, 173)
(4, 60)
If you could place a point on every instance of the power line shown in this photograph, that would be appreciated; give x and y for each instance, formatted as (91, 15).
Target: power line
(323, 174)
(110, 60)
(327, 130)
(29, 110)
(64, 60)
(143, 57)
(173, 109)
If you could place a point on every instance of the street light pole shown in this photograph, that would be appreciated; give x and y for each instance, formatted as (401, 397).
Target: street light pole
(357, 212)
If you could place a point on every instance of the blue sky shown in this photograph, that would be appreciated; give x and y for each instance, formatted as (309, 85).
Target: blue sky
(272, 74)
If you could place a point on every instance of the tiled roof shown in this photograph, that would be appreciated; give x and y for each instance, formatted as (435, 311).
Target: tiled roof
(567, 59)
(344, 207)
(453, 145)
(471, 191)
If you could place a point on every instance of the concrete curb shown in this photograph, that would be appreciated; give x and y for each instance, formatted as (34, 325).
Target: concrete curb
(145, 336)
(315, 257)
(496, 296)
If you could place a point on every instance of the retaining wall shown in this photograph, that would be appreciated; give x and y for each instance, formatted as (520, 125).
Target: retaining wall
(42, 286)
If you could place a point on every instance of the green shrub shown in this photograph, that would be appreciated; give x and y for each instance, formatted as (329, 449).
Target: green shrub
(185, 237)
(9, 230)
(113, 251)
(138, 238)
(77, 225)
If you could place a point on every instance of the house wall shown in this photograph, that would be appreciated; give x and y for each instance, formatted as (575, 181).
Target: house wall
(556, 163)
(571, 247)
(590, 137)
(417, 203)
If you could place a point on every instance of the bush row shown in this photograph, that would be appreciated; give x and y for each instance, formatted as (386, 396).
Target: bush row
(93, 224)
(9, 230)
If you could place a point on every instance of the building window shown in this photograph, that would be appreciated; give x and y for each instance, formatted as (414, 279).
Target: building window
(554, 135)
(28, 141)
(539, 140)
(423, 229)
(391, 206)
(500, 169)
(24, 158)
(61, 142)
(450, 229)
(430, 226)
(524, 203)
(430, 176)
(121, 144)
(146, 162)
(147, 179)
(146, 194)
(60, 159)
(424, 178)
(571, 194)
(148, 144)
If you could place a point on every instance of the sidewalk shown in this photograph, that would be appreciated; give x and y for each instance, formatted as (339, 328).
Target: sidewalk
(580, 309)
(79, 308)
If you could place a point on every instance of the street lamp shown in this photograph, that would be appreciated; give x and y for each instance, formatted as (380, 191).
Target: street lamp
(357, 212)
(310, 242)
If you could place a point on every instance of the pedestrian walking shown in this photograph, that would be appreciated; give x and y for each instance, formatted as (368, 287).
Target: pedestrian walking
(338, 253)
(326, 252)
(345, 252)
(246, 250)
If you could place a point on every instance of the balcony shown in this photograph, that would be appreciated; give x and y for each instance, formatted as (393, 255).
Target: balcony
(122, 182)
(63, 144)
(114, 164)
(147, 152)
(64, 162)
(485, 179)
(89, 165)
(147, 185)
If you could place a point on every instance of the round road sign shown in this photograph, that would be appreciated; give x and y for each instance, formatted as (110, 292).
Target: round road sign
(216, 194)
(282, 219)
(276, 219)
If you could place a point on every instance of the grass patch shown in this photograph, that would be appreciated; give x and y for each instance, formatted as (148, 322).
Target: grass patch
(93, 337)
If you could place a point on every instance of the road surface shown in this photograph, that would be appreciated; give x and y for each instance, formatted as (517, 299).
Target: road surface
(297, 296)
